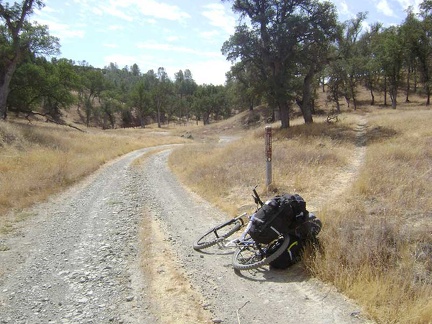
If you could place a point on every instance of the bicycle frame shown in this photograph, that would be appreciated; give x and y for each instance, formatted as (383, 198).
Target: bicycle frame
(242, 239)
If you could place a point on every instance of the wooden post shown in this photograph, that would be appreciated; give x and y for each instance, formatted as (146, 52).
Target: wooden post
(268, 150)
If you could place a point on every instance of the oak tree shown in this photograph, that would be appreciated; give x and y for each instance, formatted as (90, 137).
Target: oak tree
(18, 38)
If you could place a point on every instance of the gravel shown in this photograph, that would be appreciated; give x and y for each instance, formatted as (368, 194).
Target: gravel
(77, 258)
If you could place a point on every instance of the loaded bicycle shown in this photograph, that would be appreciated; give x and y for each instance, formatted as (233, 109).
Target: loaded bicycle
(274, 234)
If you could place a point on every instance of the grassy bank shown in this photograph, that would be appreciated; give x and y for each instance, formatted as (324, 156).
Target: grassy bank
(379, 244)
(39, 159)
(377, 235)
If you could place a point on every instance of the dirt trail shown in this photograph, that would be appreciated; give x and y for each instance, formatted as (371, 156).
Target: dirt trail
(342, 180)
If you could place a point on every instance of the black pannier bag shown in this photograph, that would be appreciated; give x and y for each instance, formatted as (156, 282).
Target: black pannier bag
(275, 217)
(290, 256)
(305, 233)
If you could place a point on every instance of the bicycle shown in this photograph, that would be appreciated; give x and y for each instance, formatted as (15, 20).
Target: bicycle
(248, 254)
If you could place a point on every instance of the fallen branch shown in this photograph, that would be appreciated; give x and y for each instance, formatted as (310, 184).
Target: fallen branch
(50, 119)
(238, 315)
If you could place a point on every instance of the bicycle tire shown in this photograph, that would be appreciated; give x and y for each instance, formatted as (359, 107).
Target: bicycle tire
(212, 236)
(240, 262)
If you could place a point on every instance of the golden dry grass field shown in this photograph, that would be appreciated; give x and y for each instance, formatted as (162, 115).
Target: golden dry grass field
(366, 176)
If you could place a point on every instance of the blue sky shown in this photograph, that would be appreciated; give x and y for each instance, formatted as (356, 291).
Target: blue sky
(174, 34)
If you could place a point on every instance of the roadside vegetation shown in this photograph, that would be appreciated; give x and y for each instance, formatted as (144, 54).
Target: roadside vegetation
(378, 234)
(376, 241)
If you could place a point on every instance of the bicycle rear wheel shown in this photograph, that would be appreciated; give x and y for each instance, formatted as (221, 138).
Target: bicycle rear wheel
(253, 256)
(218, 234)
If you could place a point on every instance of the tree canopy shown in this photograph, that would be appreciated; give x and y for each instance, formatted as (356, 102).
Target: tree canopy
(282, 52)
(18, 39)
(285, 42)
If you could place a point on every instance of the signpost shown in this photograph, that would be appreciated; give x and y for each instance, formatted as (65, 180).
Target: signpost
(268, 151)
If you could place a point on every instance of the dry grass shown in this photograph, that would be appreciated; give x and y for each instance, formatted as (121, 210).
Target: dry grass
(377, 242)
(37, 160)
(303, 163)
(381, 254)
(173, 299)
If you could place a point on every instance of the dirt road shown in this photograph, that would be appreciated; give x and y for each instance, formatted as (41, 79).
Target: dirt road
(117, 248)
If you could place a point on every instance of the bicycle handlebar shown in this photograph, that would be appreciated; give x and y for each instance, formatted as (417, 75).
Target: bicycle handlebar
(256, 197)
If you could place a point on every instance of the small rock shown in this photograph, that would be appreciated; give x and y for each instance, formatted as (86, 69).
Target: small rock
(355, 314)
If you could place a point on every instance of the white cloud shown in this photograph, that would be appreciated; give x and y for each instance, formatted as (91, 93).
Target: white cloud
(413, 3)
(163, 47)
(150, 8)
(110, 45)
(172, 38)
(383, 7)
(46, 9)
(162, 10)
(366, 26)
(62, 31)
(151, 21)
(114, 11)
(343, 8)
(210, 72)
(97, 11)
(116, 27)
(120, 59)
(175, 49)
(209, 34)
(219, 17)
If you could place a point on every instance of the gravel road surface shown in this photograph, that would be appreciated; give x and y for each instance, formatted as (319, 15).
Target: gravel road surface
(117, 248)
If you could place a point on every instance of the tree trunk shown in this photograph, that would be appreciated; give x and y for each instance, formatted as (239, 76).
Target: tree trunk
(88, 111)
(351, 85)
(284, 114)
(158, 114)
(385, 91)
(206, 118)
(307, 96)
(5, 78)
(159, 117)
(393, 96)
(408, 85)
(142, 120)
(372, 97)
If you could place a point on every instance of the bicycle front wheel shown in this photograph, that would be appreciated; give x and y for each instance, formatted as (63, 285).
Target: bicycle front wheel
(252, 256)
(218, 234)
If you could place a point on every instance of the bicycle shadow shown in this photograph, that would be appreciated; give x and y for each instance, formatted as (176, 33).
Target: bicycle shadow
(295, 273)
(216, 251)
